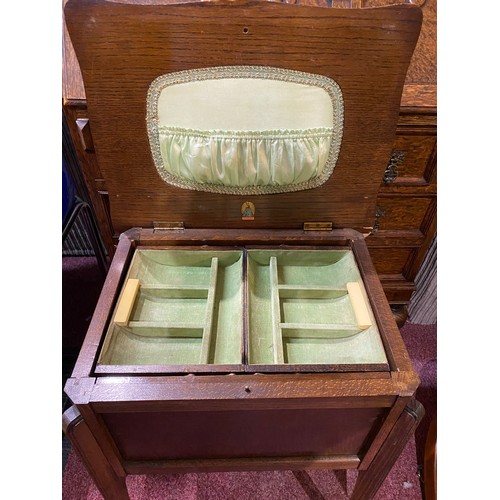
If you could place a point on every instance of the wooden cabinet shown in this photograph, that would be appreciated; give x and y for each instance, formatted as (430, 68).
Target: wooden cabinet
(248, 340)
(406, 215)
(404, 222)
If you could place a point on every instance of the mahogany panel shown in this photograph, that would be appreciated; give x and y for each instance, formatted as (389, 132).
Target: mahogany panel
(226, 434)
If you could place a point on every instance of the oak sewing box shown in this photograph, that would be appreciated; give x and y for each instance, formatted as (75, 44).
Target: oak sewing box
(242, 325)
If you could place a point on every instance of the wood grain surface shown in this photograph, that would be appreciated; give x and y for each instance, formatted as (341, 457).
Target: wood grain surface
(416, 138)
(420, 83)
(366, 51)
(138, 422)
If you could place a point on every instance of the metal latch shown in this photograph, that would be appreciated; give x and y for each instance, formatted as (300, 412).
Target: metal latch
(318, 226)
(167, 226)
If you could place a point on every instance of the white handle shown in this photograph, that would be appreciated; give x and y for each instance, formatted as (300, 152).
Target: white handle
(359, 305)
(126, 303)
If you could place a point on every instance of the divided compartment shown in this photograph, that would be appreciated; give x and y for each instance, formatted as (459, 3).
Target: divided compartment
(185, 310)
(309, 307)
(178, 307)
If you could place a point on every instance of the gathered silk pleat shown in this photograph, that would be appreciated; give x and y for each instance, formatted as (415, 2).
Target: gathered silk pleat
(245, 158)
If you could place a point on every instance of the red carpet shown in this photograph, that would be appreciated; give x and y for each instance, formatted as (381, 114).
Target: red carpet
(401, 483)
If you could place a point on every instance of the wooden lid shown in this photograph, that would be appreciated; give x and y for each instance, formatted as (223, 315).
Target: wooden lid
(123, 47)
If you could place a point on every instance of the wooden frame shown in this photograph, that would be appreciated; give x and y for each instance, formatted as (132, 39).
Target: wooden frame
(166, 331)
(116, 103)
(135, 420)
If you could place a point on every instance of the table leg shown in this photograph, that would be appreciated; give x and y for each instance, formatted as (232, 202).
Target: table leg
(370, 480)
(111, 485)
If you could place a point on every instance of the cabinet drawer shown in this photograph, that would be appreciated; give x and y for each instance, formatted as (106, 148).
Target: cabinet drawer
(398, 292)
(412, 162)
(402, 212)
(390, 260)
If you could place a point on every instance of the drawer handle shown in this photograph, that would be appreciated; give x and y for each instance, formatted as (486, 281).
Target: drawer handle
(391, 172)
(359, 305)
(126, 302)
(379, 213)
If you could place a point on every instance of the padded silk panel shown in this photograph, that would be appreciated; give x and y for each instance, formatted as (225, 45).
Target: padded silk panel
(245, 130)
(244, 104)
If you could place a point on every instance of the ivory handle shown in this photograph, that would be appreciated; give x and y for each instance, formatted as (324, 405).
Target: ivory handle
(126, 302)
(359, 305)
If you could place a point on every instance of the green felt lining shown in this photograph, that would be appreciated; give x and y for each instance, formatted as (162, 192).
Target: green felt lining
(190, 310)
(298, 305)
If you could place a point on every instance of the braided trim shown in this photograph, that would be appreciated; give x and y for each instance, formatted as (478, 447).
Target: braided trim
(262, 72)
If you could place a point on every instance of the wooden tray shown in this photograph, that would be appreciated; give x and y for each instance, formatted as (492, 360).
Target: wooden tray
(243, 310)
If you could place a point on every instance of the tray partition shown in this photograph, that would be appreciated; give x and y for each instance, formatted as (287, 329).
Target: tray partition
(242, 310)
(188, 310)
(309, 307)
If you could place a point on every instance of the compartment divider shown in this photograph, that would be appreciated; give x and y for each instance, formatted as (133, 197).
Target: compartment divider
(179, 291)
(318, 331)
(310, 292)
(245, 354)
(209, 315)
(275, 312)
(168, 328)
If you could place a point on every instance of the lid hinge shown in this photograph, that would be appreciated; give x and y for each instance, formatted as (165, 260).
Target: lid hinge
(318, 226)
(167, 226)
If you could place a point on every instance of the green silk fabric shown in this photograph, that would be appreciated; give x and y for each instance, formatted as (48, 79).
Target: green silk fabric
(245, 159)
(262, 130)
